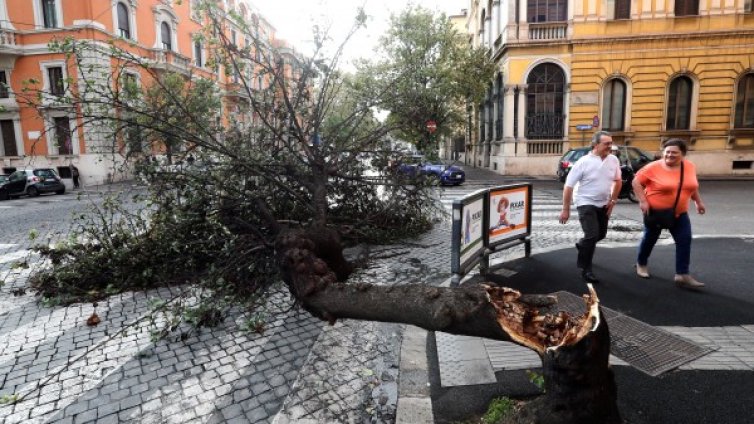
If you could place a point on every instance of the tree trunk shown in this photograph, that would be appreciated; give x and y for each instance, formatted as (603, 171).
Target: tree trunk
(574, 349)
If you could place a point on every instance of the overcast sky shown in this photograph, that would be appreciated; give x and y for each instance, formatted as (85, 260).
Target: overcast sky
(294, 19)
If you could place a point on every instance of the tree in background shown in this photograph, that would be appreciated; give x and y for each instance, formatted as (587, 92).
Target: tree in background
(429, 72)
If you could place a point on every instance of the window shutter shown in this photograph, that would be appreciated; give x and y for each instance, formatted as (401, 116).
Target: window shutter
(622, 9)
(123, 24)
(9, 137)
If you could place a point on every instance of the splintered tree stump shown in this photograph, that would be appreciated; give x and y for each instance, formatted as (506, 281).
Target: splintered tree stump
(579, 385)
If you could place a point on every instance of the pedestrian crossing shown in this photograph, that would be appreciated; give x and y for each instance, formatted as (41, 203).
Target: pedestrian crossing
(541, 201)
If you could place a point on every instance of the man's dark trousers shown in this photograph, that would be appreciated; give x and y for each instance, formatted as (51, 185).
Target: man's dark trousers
(594, 223)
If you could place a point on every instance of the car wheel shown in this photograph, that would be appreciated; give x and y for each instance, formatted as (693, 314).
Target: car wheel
(60, 191)
(4, 196)
(632, 197)
(32, 191)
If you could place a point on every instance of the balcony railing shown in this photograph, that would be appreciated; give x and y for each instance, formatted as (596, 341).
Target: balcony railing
(7, 37)
(544, 147)
(548, 30)
(541, 126)
(170, 60)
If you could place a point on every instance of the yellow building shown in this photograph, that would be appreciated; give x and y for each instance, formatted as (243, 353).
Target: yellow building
(646, 70)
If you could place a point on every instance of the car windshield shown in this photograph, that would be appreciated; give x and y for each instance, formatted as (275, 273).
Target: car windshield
(46, 173)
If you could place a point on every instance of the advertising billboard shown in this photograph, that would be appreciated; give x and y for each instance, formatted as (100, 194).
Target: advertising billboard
(468, 232)
(509, 211)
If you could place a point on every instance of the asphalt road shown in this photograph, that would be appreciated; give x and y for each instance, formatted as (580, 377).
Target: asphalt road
(730, 207)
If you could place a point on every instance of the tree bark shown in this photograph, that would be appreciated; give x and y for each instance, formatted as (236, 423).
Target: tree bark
(574, 349)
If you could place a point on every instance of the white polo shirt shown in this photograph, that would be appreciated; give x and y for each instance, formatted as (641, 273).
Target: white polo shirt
(592, 178)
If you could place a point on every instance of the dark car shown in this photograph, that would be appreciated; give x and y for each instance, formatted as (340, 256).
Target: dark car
(410, 165)
(32, 182)
(627, 155)
(447, 174)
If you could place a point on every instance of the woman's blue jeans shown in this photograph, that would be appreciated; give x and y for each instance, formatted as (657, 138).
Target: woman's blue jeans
(681, 233)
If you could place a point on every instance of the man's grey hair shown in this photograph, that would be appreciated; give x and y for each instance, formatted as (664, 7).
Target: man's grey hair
(598, 135)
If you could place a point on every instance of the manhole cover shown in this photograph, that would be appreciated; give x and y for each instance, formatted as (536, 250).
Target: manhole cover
(647, 348)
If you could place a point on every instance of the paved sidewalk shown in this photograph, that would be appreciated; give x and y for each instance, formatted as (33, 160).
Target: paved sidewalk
(56, 369)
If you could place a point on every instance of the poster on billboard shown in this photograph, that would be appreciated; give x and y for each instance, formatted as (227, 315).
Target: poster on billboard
(509, 210)
(468, 232)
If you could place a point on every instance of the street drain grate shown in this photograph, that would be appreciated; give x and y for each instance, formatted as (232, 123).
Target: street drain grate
(649, 349)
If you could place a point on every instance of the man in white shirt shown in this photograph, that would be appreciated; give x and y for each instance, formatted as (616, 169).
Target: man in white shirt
(598, 177)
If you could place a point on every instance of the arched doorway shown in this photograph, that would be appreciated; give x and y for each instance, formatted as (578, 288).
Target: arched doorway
(545, 94)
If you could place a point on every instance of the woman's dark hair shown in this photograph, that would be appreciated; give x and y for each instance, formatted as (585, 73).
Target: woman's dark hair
(676, 142)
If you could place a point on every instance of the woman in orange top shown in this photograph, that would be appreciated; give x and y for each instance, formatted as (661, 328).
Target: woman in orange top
(656, 186)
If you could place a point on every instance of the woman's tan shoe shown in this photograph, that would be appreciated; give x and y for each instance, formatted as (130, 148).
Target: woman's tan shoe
(686, 281)
(642, 271)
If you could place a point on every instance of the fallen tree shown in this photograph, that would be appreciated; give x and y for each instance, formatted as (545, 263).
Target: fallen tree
(579, 385)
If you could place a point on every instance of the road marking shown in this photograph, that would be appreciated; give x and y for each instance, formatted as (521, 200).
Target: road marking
(13, 256)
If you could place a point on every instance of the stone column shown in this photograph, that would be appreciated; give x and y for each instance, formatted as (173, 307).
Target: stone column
(566, 109)
(522, 112)
(508, 90)
(523, 25)
(495, 21)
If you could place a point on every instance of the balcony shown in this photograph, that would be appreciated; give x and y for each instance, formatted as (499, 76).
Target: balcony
(8, 42)
(170, 61)
(548, 30)
(544, 126)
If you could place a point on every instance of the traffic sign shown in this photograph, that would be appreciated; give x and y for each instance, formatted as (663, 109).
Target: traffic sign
(431, 126)
(585, 127)
(595, 121)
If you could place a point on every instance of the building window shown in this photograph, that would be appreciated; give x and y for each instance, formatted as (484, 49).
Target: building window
(55, 77)
(49, 14)
(544, 102)
(749, 6)
(482, 124)
(124, 24)
(745, 103)
(679, 104)
(614, 105)
(8, 132)
(198, 54)
(619, 9)
(686, 7)
(63, 138)
(233, 37)
(195, 13)
(500, 104)
(166, 36)
(4, 87)
(546, 10)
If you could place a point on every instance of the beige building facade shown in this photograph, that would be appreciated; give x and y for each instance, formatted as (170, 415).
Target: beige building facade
(645, 70)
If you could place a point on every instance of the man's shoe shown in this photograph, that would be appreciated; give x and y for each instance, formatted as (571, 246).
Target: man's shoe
(589, 277)
(642, 271)
(686, 281)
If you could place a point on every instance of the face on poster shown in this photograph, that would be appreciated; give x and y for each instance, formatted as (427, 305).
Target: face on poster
(471, 229)
(508, 213)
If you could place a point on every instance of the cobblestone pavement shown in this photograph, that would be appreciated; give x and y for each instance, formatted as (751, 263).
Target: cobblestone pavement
(54, 368)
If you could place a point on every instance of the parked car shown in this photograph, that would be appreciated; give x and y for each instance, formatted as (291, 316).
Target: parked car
(448, 174)
(628, 155)
(32, 182)
(410, 165)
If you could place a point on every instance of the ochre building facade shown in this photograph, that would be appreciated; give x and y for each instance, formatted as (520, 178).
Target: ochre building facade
(645, 70)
